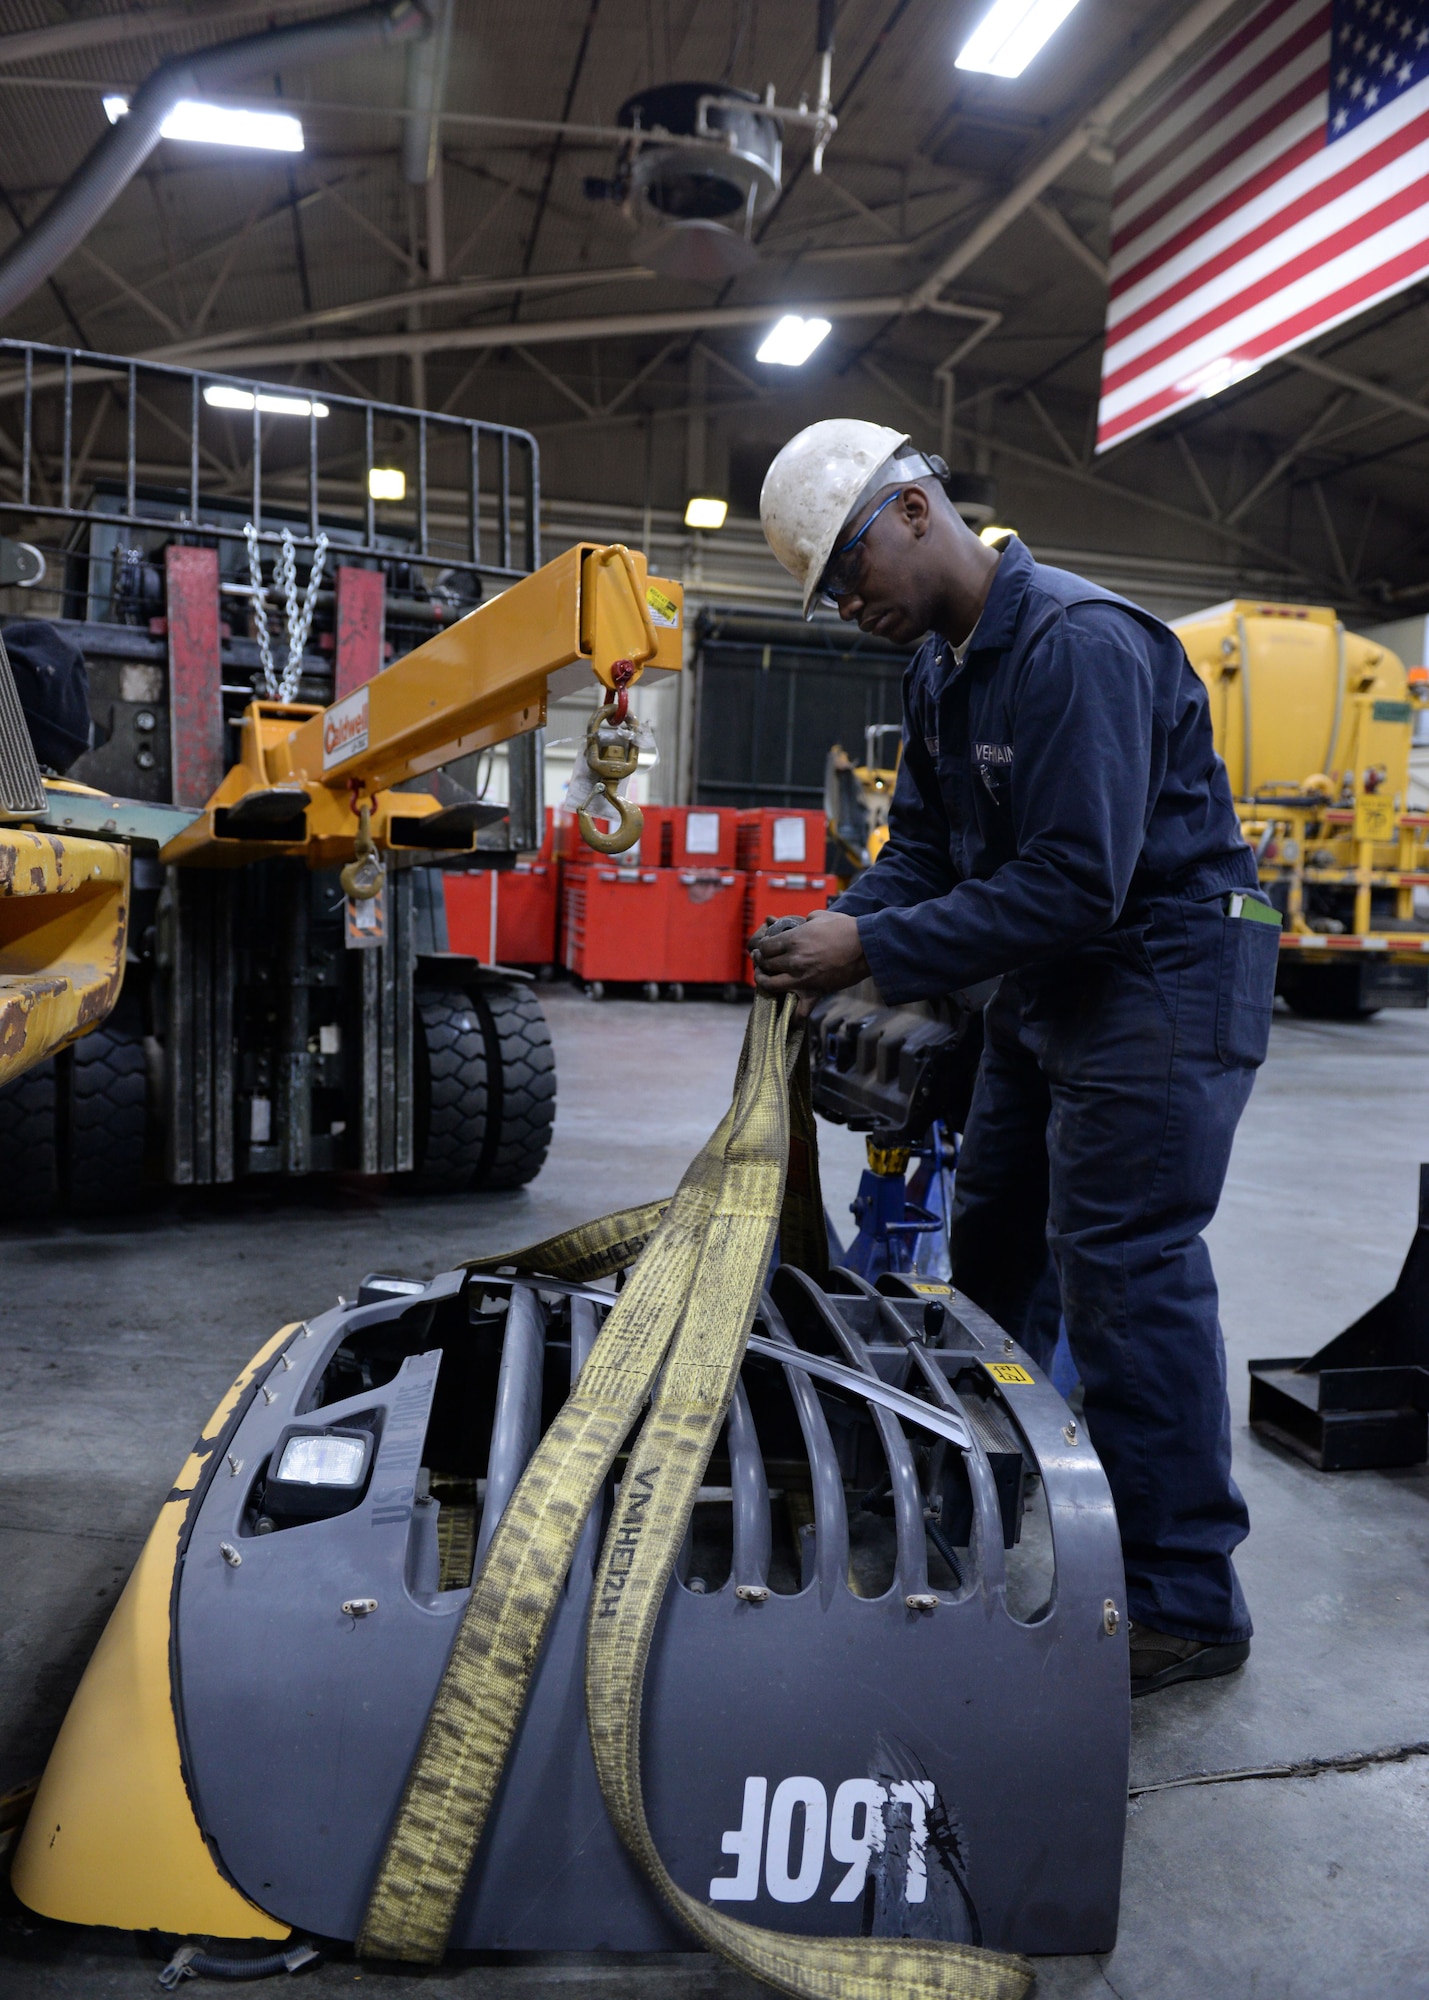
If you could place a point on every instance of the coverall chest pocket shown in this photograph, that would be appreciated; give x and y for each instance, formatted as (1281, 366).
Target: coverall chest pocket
(1249, 954)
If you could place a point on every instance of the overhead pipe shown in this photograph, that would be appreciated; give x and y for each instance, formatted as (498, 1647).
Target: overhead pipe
(119, 155)
(426, 88)
(552, 332)
(427, 63)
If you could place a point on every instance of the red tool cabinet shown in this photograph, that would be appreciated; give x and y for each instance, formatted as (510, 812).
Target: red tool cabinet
(772, 838)
(779, 893)
(704, 927)
(614, 921)
(701, 836)
(504, 916)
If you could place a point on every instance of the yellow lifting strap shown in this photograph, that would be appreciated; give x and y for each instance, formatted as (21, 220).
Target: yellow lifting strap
(675, 1337)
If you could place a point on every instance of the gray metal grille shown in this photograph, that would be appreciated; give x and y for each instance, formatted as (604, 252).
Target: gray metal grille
(22, 790)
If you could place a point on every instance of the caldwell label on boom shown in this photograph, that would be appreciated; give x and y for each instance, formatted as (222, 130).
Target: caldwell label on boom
(345, 729)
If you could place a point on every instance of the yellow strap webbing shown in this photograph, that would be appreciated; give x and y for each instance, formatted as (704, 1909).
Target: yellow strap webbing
(689, 1305)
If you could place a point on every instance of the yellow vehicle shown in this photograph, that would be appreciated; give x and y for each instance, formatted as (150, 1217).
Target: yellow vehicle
(1315, 726)
(857, 798)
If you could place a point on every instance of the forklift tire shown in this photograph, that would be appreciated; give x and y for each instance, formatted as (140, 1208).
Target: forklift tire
(523, 1064)
(451, 1092)
(103, 1108)
(28, 1156)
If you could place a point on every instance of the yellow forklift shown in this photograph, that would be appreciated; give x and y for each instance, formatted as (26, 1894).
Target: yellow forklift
(857, 798)
(1315, 726)
(279, 996)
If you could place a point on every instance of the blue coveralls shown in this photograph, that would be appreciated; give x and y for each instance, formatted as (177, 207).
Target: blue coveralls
(1061, 818)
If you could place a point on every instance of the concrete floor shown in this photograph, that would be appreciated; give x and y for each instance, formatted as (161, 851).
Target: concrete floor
(116, 1341)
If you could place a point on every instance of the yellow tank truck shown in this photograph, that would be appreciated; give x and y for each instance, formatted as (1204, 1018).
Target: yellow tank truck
(1314, 725)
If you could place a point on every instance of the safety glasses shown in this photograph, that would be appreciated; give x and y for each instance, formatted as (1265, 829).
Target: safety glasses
(841, 572)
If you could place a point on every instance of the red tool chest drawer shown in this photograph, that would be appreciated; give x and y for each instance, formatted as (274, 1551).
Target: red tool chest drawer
(782, 894)
(614, 921)
(522, 903)
(773, 837)
(705, 926)
(701, 836)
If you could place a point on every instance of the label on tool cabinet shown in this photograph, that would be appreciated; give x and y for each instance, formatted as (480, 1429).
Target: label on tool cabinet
(702, 833)
(929, 1289)
(789, 840)
(1007, 1371)
(663, 609)
(345, 729)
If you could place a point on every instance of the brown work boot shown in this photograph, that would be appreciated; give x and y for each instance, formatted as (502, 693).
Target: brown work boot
(1158, 1659)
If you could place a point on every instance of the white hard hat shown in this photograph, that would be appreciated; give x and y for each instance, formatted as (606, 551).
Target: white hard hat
(816, 483)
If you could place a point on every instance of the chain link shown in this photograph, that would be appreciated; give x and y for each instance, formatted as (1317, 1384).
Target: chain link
(300, 621)
(260, 612)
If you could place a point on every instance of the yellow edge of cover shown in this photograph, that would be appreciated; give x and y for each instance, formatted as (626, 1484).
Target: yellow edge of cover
(112, 1838)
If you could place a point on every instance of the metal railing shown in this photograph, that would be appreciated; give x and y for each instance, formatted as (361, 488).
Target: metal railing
(473, 488)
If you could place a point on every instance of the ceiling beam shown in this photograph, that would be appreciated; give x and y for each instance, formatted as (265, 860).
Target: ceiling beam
(1311, 364)
(1287, 458)
(461, 292)
(551, 332)
(100, 31)
(1053, 220)
(1089, 130)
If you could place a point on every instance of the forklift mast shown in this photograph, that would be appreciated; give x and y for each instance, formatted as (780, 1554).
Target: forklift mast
(270, 1023)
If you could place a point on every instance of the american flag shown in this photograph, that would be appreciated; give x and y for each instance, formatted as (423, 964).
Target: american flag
(1280, 187)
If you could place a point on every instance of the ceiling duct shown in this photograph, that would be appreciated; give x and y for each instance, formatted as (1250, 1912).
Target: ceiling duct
(703, 162)
(118, 156)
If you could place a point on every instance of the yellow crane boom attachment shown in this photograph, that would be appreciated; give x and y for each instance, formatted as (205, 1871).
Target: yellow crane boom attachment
(305, 774)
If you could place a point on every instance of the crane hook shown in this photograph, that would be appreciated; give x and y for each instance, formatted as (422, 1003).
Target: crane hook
(363, 876)
(611, 766)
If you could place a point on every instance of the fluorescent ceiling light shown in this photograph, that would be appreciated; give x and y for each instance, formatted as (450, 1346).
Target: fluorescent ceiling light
(219, 396)
(222, 125)
(792, 342)
(1010, 33)
(386, 482)
(706, 513)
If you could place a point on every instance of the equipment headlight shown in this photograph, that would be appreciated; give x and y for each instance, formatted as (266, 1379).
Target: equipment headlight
(314, 1473)
(323, 1460)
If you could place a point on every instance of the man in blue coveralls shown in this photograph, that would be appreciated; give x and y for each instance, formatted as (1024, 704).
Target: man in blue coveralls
(1060, 819)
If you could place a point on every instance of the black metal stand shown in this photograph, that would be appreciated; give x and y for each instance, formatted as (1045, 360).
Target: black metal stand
(1363, 1400)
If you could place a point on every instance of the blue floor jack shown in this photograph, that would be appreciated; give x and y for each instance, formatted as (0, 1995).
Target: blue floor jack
(904, 1076)
(903, 1222)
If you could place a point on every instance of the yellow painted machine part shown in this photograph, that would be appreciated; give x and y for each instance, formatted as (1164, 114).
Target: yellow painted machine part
(1315, 726)
(64, 913)
(476, 683)
(111, 1838)
(1293, 696)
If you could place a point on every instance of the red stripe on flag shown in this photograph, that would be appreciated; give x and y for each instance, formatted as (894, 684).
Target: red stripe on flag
(1404, 201)
(1312, 200)
(1277, 169)
(1385, 278)
(1270, 65)
(1234, 149)
(1224, 53)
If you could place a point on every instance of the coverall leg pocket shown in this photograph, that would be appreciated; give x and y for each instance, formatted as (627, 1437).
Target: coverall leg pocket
(1250, 952)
